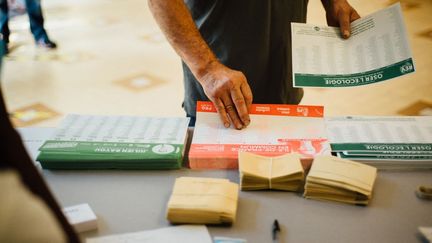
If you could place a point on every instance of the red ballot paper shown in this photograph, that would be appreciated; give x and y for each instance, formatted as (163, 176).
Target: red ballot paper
(274, 130)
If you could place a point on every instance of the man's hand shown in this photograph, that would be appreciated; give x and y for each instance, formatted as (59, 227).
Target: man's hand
(226, 88)
(229, 91)
(340, 13)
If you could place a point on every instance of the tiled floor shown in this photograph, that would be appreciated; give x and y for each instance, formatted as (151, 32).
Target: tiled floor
(114, 60)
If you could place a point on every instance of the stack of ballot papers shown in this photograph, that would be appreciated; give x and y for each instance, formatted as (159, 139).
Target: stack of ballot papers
(263, 172)
(274, 130)
(335, 179)
(386, 142)
(115, 142)
(203, 201)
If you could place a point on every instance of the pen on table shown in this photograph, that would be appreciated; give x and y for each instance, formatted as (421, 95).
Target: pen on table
(275, 230)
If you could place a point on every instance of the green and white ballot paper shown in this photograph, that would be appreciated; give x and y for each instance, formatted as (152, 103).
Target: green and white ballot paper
(386, 142)
(377, 50)
(115, 142)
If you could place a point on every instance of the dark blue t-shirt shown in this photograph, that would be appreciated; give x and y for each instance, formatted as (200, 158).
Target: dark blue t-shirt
(254, 37)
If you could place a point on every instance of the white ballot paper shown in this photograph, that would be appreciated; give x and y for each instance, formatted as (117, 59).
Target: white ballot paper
(377, 50)
(386, 142)
(276, 129)
(184, 233)
(410, 134)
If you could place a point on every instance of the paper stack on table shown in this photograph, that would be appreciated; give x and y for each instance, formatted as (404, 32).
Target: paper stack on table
(183, 233)
(335, 179)
(221, 239)
(274, 130)
(263, 172)
(121, 142)
(386, 142)
(203, 201)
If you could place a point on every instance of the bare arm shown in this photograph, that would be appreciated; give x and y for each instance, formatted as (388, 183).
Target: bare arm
(340, 13)
(226, 88)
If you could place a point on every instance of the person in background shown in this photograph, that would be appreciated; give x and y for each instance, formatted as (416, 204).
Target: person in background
(236, 51)
(36, 20)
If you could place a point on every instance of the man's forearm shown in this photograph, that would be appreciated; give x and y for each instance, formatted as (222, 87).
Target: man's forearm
(178, 26)
(328, 4)
(228, 89)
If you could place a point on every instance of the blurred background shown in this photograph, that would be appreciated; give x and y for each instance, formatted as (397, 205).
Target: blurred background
(113, 59)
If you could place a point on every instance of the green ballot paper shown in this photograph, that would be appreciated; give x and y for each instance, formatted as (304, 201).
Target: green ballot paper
(115, 142)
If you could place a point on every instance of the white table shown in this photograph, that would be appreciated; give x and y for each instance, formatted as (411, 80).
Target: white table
(128, 201)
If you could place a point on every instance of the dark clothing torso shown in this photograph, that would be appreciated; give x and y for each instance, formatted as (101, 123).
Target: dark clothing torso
(252, 36)
(14, 156)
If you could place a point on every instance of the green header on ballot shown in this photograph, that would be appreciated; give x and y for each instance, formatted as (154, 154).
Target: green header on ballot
(357, 79)
(402, 147)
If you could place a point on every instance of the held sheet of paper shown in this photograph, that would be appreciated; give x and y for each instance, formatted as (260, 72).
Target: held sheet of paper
(377, 50)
